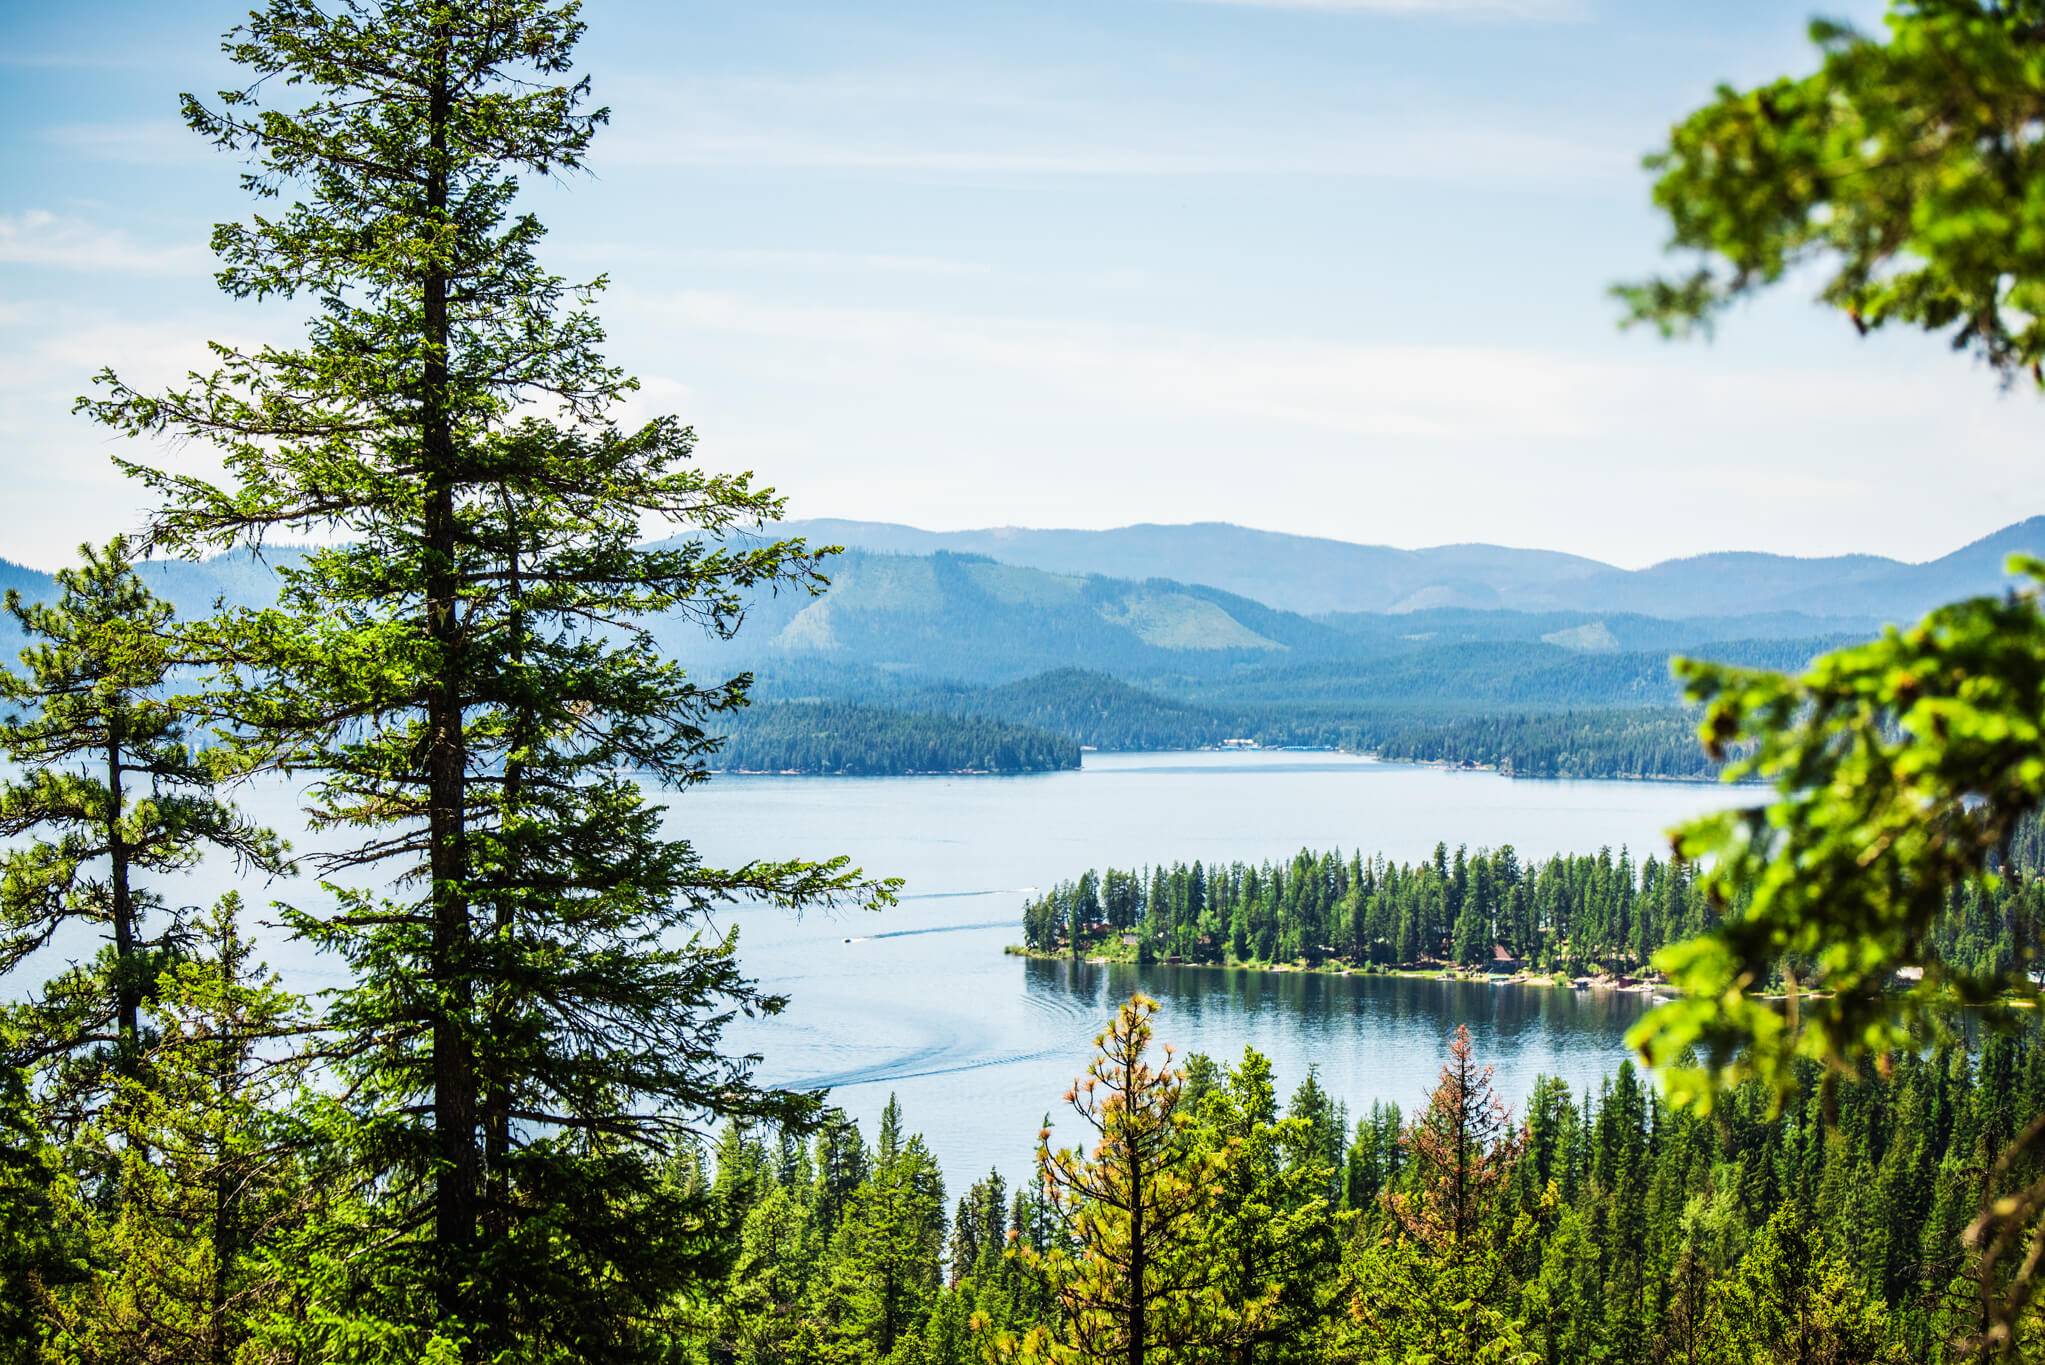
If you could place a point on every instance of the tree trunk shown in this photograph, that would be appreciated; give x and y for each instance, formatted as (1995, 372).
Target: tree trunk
(457, 1175)
(127, 985)
(1139, 1262)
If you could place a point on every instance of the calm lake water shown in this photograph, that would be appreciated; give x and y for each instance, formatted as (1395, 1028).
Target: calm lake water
(921, 1002)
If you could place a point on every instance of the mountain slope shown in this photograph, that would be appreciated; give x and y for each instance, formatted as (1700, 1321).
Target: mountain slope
(961, 616)
(1312, 575)
(1297, 573)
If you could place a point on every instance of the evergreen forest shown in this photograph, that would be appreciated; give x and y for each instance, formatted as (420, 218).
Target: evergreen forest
(1604, 1226)
(1584, 914)
(847, 740)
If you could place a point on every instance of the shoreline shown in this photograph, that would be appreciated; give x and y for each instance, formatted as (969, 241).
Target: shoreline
(1439, 764)
(1654, 990)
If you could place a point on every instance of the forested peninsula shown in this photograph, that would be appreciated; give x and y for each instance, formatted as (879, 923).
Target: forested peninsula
(847, 740)
(1601, 914)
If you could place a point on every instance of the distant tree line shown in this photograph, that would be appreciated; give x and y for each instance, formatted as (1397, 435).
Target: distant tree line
(1199, 1219)
(1092, 709)
(844, 739)
(1565, 913)
(1611, 742)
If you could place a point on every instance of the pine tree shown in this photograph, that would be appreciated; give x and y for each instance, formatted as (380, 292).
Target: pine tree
(535, 1016)
(43, 1250)
(1441, 1288)
(206, 1178)
(1460, 1149)
(888, 1246)
(1132, 1203)
(1273, 1236)
(1326, 1120)
(111, 794)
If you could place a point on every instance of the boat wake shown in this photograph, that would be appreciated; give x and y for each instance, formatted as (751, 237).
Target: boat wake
(947, 929)
(906, 1069)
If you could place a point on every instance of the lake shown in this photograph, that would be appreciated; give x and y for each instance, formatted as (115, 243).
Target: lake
(921, 1002)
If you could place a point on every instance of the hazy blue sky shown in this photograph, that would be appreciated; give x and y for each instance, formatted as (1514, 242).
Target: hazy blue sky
(1330, 266)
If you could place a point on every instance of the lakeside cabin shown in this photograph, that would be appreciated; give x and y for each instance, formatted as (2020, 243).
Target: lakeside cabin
(1502, 963)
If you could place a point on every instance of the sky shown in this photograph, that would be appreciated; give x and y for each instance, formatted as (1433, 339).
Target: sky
(1335, 267)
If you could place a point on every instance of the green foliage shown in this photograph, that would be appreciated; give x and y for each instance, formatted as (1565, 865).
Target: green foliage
(200, 1180)
(1127, 1268)
(1901, 769)
(42, 1249)
(1274, 1239)
(1607, 1227)
(110, 793)
(889, 1243)
(1571, 913)
(1907, 168)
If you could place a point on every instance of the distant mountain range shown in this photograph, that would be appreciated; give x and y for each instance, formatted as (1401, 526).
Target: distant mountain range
(1217, 613)
(1315, 576)
(964, 617)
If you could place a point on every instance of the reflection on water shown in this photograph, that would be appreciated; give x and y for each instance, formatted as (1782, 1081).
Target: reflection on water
(1371, 1037)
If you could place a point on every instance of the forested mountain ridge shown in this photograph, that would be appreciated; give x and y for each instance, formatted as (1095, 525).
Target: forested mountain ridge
(961, 617)
(1313, 575)
(1156, 664)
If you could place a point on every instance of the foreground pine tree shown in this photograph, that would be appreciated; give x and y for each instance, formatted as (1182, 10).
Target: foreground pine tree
(205, 1169)
(1437, 1288)
(534, 1015)
(1129, 1271)
(110, 794)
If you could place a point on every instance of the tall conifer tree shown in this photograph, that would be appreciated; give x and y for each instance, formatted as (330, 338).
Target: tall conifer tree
(535, 1009)
(110, 793)
(1130, 1205)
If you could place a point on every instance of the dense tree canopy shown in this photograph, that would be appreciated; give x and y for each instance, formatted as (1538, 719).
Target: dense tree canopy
(1608, 1226)
(1579, 913)
(843, 739)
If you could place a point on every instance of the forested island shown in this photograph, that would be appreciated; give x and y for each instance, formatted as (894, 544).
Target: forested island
(1585, 914)
(848, 740)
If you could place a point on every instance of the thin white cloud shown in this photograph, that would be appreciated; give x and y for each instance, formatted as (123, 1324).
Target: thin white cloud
(1354, 389)
(1551, 11)
(40, 238)
(1479, 399)
(1085, 123)
(820, 261)
(1492, 156)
